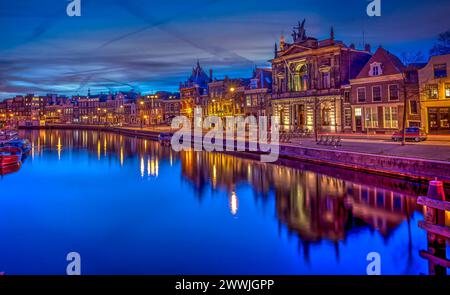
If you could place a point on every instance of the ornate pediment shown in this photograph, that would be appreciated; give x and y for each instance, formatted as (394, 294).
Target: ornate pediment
(295, 49)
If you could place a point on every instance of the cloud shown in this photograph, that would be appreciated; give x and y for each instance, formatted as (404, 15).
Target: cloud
(147, 45)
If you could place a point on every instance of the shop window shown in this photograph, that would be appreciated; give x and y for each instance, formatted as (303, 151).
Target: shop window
(371, 117)
(444, 118)
(391, 117)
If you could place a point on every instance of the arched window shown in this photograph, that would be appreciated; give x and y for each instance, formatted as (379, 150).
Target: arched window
(301, 78)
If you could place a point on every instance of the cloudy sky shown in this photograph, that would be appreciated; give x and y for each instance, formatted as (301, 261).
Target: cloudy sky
(152, 45)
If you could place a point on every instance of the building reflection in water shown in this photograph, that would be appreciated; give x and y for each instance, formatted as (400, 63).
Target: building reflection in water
(313, 202)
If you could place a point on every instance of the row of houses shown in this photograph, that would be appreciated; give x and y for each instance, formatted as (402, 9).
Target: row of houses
(329, 86)
(313, 84)
(111, 109)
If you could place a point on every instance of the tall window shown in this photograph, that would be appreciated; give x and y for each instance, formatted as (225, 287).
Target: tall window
(444, 117)
(361, 94)
(393, 92)
(391, 117)
(348, 117)
(326, 80)
(440, 71)
(248, 101)
(447, 90)
(347, 96)
(301, 78)
(376, 93)
(371, 117)
(433, 91)
(413, 108)
(326, 116)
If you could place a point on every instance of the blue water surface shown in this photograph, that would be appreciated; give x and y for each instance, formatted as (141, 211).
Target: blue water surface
(133, 206)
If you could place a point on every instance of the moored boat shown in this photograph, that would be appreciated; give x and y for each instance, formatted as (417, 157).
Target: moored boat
(10, 156)
(7, 135)
(9, 169)
(23, 144)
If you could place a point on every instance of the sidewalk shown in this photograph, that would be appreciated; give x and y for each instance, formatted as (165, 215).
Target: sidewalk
(429, 150)
(443, 137)
(437, 147)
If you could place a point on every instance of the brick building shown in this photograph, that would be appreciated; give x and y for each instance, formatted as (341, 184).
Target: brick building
(435, 95)
(378, 95)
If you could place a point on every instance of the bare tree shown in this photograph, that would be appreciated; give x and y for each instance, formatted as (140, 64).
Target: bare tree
(410, 83)
(442, 45)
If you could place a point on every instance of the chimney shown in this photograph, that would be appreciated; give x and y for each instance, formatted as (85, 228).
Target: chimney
(367, 47)
(211, 74)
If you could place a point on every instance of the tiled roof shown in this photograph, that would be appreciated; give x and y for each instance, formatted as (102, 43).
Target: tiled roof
(390, 64)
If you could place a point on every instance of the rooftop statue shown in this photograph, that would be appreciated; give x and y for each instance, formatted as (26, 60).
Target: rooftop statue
(299, 33)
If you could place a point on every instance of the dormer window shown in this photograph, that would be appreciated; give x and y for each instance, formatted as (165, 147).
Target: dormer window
(375, 69)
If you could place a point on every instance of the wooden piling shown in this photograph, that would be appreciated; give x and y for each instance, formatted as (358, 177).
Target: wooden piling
(438, 233)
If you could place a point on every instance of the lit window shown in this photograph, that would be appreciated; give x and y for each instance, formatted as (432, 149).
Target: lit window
(433, 91)
(391, 117)
(371, 117)
(447, 90)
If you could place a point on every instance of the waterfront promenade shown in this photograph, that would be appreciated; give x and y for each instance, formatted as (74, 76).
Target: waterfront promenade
(436, 148)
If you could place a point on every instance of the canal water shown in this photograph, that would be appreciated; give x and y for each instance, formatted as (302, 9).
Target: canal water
(133, 206)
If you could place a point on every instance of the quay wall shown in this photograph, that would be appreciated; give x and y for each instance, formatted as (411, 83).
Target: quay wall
(392, 166)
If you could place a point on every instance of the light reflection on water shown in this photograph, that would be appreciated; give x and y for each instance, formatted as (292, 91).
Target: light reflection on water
(132, 206)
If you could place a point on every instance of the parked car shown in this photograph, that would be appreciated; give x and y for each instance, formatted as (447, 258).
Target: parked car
(412, 133)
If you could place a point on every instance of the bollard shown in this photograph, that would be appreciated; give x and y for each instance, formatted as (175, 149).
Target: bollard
(436, 192)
